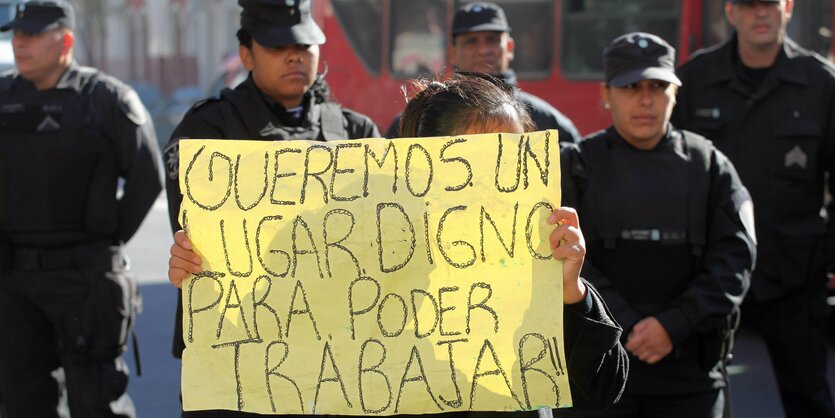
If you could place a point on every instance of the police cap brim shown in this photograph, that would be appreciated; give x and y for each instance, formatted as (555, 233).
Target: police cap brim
(32, 26)
(307, 33)
(651, 73)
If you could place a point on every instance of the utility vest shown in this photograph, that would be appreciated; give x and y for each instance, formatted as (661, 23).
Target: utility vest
(327, 117)
(601, 196)
(59, 177)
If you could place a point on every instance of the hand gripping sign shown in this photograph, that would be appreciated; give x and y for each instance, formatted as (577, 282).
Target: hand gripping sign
(373, 276)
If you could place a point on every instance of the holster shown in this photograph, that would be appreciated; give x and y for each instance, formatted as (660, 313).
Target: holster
(96, 327)
(716, 346)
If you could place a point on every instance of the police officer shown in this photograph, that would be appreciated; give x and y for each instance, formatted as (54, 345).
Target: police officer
(664, 215)
(69, 136)
(283, 98)
(481, 43)
(770, 106)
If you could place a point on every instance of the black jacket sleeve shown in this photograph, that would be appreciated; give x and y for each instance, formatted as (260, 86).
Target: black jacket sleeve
(131, 132)
(598, 364)
(828, 154)
(201, 122)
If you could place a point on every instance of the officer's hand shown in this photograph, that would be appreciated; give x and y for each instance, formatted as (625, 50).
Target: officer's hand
(568, 245)
(649, 341)
(183, 261)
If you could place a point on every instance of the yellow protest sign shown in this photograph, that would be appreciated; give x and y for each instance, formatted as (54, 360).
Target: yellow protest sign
(373, 276)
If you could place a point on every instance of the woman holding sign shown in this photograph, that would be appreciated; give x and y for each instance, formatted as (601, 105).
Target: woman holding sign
(465, 105)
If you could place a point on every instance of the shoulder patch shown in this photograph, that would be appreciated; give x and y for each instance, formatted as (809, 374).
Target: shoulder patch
(171, 157)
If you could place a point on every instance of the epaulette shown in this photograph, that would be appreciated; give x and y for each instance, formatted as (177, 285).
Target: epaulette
(701, 52)
(202, 102)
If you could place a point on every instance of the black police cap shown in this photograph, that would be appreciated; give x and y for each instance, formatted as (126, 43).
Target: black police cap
(479, 17)
(40, 16)
(638, 56)
(275, 23)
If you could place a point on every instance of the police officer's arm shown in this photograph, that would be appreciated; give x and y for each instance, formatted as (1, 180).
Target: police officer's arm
(137, 158)
(828, 152)
(568, 132)
(201, 122)
(573, 179)
(724, 273)
(598, 362)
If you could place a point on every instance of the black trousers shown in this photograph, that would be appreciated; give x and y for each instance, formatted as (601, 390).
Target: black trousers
(66, 328)
(794, 329)
(708, 404)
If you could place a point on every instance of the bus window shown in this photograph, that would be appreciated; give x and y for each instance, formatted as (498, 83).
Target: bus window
(361, 22)
(417, 35)
(531, 23)
(589, 25)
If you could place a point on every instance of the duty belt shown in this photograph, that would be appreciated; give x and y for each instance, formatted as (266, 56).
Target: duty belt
(96, 255)
(41, 259)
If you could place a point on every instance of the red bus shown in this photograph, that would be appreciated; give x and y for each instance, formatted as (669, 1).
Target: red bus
(374, 46)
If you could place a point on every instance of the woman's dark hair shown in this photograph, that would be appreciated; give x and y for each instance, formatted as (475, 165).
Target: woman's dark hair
(320, 89)
(459, 103)
(244, 38)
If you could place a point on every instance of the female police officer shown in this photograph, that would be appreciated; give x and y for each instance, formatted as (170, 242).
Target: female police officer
(669, 240)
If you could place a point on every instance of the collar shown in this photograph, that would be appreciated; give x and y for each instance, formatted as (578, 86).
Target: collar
(508, 77)
(71, 80)
(785, 67)
(289, 117)
(262, 119)
(671, 138)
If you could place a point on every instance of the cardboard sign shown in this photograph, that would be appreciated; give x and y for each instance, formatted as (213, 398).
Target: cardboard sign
(373, 276)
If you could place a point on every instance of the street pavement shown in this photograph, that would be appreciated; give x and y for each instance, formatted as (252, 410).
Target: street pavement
(156, 392)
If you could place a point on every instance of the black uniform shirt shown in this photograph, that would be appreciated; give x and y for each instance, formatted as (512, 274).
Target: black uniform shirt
(781, 138)
(111, 137)
(649, 269)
